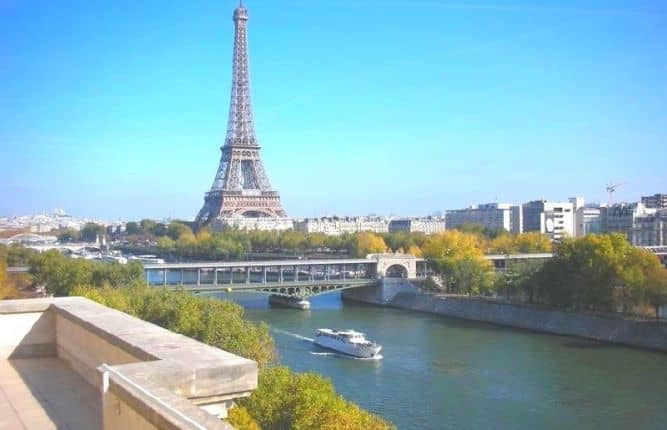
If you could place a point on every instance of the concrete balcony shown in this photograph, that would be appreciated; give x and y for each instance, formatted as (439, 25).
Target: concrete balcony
(72, 363)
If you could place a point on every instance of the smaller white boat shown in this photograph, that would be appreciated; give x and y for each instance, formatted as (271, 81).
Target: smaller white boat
(348, 342)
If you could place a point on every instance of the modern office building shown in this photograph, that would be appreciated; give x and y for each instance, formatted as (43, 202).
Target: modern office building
(555, 219)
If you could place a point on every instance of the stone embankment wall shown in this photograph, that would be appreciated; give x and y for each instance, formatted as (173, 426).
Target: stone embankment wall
(608, 328)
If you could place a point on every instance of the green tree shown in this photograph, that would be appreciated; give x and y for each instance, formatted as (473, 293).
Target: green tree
(600, 272)
(176, 230)
(69, 235)
(91, 231)
(147, 226)
(291, 240)
(132, 228)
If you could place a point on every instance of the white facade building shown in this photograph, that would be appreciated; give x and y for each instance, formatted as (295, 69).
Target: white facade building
(428, 225)
(262, 223)
(335, 226)
(494, 216)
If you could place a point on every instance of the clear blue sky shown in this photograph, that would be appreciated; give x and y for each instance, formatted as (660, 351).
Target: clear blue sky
(118, 108)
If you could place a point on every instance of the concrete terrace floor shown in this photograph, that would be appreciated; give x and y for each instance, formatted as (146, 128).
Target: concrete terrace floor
(44, 393)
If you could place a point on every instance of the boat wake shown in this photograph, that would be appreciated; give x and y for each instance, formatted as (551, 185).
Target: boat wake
(294, 335)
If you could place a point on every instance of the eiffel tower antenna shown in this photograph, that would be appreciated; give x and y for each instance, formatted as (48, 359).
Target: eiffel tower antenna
(241, 186)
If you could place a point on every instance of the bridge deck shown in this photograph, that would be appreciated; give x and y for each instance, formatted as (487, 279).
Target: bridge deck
(267, 263)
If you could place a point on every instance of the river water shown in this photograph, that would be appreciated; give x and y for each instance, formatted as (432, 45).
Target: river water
(440, 373)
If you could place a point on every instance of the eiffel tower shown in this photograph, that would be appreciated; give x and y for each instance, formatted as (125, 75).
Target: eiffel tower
(241, 187)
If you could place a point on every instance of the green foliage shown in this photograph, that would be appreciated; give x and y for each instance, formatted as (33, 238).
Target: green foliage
(241, 419)
(601, 272)
(458, 258)
(16, 255)
(59, 274)
(177, 230)
(91, 231)
(69, 235)
(286, 400)
(214, 322)
(132, 228)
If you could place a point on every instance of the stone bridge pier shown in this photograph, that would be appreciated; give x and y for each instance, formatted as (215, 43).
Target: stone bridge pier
(394, 265)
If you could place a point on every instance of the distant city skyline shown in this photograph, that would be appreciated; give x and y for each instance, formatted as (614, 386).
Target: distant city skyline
(117, 110)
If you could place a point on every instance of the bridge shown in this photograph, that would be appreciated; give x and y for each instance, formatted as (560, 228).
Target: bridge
(286, 280)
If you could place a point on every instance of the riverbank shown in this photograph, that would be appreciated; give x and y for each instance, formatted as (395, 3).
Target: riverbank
(649, 334)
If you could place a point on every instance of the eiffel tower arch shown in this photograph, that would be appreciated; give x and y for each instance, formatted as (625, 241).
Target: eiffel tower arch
(241, 187)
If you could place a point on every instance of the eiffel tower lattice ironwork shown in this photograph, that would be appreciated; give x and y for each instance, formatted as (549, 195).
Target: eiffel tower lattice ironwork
(241, 187)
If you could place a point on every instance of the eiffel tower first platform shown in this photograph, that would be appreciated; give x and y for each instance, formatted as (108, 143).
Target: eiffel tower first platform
(241, 188)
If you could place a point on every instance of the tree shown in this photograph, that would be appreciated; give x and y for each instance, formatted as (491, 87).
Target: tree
(176, 230)
(601, 272)
(159, 230)
(459, 259)
(91, 231)
(365, 243)
(291, 240)
(7, 288)
(132, 228)
(147, 226)
(69, 235)
(532, 242)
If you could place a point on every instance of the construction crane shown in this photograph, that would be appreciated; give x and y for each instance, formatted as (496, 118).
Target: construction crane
(611, 189)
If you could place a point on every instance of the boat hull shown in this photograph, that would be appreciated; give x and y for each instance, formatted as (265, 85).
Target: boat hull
(348, 349)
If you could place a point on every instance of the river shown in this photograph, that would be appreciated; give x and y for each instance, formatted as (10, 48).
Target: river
(440, 373)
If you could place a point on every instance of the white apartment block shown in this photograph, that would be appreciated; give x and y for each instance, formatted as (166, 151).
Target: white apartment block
(494, 216)
(336, 226)
(417, 225)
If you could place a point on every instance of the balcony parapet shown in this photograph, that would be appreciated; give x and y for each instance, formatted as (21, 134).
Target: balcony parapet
(143, 371)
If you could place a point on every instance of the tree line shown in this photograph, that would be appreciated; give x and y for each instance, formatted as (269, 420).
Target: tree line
(179, 240)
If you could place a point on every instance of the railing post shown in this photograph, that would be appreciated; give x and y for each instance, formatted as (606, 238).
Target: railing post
(247, 275)
(264, 281)
(281, 274)
(343, 273)
(231, 275)
(215, 276)
(296, 273)
(198, 276)
(182, 276)
(164, 277)
(312, 275)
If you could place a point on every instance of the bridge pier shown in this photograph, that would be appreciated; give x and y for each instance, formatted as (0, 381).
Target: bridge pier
(289, 302)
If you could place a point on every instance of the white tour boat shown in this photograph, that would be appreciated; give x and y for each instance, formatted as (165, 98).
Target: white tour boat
(348, 342)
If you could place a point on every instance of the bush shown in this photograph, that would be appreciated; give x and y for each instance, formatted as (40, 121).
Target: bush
(287, 400)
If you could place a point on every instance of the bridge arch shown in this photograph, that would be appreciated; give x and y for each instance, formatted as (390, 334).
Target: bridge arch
(397, 271)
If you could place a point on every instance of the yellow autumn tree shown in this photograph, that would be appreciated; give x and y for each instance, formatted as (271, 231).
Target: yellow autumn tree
(459, 258)
(368, 243)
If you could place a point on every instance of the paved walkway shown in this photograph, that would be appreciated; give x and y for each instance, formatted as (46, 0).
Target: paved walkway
(44, 393)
